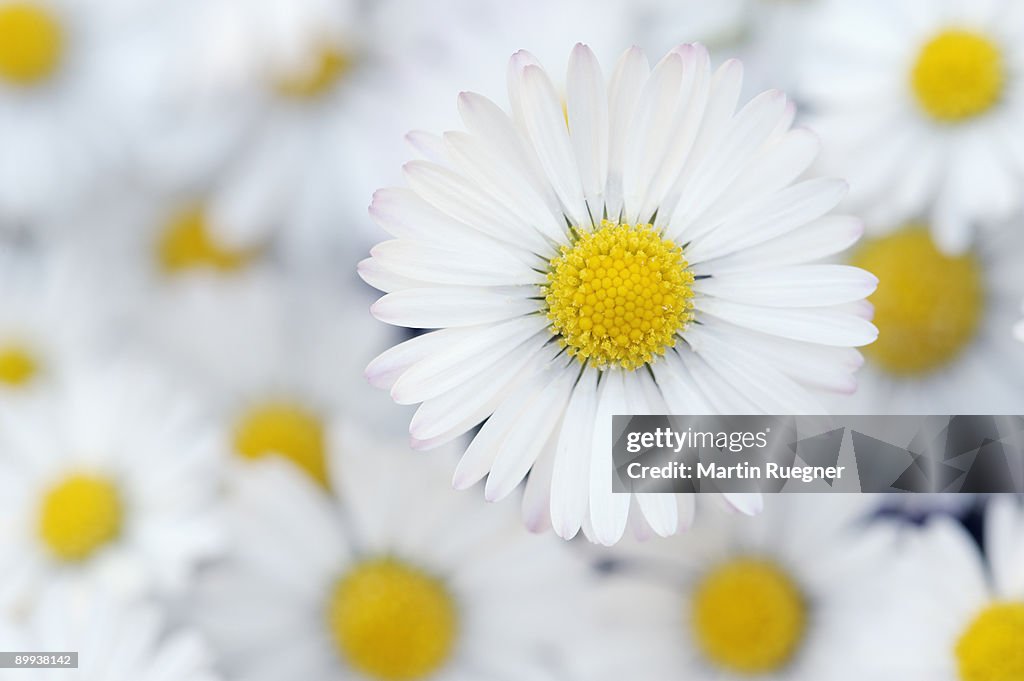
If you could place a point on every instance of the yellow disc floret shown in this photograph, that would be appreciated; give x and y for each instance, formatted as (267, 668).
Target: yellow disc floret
(31, 43)
(79, 515)
(285, 429)
(992, 647)
(958, 74)
(619, 295)
(318, 77)
(18, 366)
(187, 244)
(391, 621)
(748, 616)
(928, 305)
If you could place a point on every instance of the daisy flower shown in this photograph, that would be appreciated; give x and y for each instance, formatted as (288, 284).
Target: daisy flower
(919, 105)
(945, 344)
(778, 597)
(113, 641)
(959, 619)
(66, 92)
(645, 249)
(278, 398)
(109, 483)
(394, 578)
(320, 89)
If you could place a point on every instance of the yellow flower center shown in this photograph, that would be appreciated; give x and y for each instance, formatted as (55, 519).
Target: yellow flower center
(31, 43)
(318, 77)
(928, 305)
(18, 366)
(958, 74)
(79, 515)
(391, 621)
(618, 295)
(992, 648)
(285, 429)
(749, 617)
(187, 244)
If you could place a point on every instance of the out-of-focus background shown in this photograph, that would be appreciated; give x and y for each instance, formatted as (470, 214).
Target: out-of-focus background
(183, 194)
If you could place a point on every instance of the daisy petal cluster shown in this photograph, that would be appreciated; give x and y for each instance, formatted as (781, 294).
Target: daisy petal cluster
(924, 121)
(644, 245)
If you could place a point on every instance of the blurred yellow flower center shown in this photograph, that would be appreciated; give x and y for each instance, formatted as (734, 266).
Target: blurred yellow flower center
(285, 429)
(79, 515)
(992, 648)
(928, 305)
(187, 244)
(619, 295)
(958, 74)
(391, 621)
(318, 77)
(31, 43)
(749, 617)
(18, 366)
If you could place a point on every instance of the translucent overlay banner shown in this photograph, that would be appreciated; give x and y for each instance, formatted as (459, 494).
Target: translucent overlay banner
(678, 454)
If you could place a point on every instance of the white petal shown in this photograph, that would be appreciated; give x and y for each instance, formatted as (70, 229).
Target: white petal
(796, 286)
(623, 90)
(480, 454)
(442, 418)
(462, 199)
(446, 306)
(545, 124)
(761, 221)
(649, 131)
(608, 511)
(826, 326)
(454, 264)
(505, 182)
(458, 361)
(587, 111)
(522, 446)
(569, 482)
(828, 236)
(385, 369)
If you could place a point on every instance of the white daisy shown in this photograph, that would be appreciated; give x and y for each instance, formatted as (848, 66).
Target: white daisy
(113, 641)
(945, 344)
(652, 256)
(919, 106)
(50, 320)
(320, 89)
(781, 596)
(109, 481)
(67, 93)
(958, 619)
(277, 398)
(395, 578)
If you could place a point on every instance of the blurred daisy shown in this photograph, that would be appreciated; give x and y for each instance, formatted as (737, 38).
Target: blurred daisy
(113, 641)
(919, 106)
(66, 93)
(945, 344)
(782, 596)
(652, 256)
(958, 619)
(279, 398)
(320, 89)
(108, 483)
(50, 319)
(396, 578)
